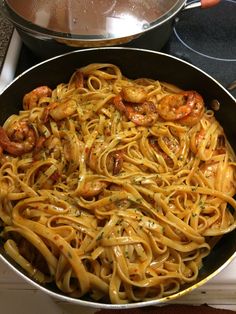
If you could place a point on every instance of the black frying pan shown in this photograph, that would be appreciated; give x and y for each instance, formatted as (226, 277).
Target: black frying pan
(134, 63)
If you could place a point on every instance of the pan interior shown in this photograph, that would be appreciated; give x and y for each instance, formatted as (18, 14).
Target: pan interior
(150, 64)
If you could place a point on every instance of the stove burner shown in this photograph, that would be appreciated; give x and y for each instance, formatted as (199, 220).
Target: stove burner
(204, 31)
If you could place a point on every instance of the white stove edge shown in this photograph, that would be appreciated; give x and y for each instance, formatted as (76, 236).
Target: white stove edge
(219, 292)
(10, 62)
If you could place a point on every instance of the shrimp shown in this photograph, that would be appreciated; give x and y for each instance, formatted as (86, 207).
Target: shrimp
(45, 147)
(202, 139)
(212, 171)
(134, 94)
(92, 188)
(32, 99)
(185, 107)
(93, 155)
(142, 114)
(60, 110)
(18, 140)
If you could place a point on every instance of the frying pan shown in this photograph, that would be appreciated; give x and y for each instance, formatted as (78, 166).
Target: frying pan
(134, 63)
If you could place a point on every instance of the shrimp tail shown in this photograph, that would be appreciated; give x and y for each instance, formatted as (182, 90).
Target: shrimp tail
(33, 98)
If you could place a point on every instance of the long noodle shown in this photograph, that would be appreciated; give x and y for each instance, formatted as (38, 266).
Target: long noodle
(107, 195)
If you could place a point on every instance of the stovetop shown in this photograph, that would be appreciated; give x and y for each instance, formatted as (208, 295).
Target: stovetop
(207, 39)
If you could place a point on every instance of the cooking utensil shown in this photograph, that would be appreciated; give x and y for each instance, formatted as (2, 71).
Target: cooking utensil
(53, 27)
(134, 63)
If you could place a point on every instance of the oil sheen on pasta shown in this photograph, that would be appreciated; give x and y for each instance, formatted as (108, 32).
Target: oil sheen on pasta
(114, 188)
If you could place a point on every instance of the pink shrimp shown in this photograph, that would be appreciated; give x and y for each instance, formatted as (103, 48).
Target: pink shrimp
(185, 107)
(134, 94)
(60, 110)
(32, 99)
(211, 170)
(18, 139)
(144, 114)
(200, 136)
(92, 188)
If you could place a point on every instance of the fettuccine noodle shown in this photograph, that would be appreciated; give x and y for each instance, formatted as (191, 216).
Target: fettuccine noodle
(114, 188)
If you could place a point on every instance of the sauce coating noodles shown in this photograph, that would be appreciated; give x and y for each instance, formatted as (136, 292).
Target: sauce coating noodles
(113, 187)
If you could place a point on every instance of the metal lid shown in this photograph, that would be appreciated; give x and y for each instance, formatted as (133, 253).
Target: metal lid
(94, 19)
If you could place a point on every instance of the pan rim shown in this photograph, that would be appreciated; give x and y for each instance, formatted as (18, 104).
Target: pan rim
(77, 51)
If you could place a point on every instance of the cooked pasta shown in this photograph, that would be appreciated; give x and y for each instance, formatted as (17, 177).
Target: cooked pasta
(114, 188)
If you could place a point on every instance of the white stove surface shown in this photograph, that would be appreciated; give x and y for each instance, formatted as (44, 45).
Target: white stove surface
(9, 65)
(18, 296)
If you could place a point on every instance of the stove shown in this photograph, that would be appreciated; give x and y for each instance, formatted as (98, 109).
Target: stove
(205, 38)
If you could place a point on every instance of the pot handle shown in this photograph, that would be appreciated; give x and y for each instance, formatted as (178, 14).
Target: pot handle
(203, 4)
(209, 3)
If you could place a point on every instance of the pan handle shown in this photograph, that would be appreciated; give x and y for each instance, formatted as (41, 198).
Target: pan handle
(203, 4)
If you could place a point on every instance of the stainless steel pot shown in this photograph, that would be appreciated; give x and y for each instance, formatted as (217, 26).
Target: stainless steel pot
(133, 63)
(49, 28)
